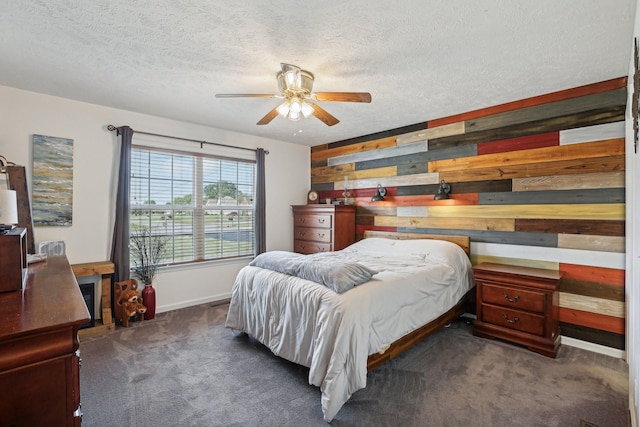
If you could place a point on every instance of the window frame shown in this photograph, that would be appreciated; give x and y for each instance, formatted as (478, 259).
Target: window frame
(198, 207)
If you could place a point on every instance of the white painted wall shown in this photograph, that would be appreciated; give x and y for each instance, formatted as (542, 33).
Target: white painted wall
(23, 114)
(632, 279)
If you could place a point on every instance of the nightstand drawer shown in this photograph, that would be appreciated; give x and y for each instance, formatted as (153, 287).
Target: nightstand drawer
(307, 247)
(312, 234)
(318, 221)
(514, 319)
(520, 299)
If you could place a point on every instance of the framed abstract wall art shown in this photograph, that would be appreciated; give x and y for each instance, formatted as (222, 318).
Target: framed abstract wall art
(52, 200)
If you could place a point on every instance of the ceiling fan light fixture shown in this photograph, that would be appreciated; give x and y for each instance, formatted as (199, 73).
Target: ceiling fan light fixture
(283, 109)
(307, 109)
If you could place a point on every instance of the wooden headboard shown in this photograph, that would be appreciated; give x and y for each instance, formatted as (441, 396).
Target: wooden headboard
(463, 241)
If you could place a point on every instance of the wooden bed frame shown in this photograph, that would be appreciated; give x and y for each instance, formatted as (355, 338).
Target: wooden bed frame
(412, 338)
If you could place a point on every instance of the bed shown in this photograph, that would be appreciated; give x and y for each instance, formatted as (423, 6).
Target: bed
(343, 313)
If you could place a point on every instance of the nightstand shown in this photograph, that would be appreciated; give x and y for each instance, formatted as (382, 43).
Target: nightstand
(518, 304)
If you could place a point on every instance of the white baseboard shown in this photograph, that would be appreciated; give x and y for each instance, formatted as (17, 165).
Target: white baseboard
(184, 304)
(596, 348)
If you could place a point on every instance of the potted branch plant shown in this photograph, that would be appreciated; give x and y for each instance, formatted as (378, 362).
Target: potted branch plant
(147, 253)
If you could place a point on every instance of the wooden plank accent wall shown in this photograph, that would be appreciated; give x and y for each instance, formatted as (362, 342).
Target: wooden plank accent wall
(541, 173)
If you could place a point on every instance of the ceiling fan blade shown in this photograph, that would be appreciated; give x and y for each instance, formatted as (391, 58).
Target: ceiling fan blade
(327, 118)
(343, 96)
(268, 117)
(245, 95)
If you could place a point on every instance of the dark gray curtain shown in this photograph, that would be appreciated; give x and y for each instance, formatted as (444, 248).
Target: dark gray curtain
(261, 205)
(120, 244)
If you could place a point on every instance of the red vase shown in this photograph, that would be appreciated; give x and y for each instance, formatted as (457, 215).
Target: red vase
(149, 300)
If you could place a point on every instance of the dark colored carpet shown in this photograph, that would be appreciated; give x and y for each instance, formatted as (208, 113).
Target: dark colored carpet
(185, 369)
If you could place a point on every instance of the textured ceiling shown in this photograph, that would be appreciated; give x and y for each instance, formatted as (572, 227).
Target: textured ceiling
(419, 59)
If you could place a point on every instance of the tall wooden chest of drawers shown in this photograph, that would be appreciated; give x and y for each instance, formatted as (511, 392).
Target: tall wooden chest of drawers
(518, 304)
(322, 228)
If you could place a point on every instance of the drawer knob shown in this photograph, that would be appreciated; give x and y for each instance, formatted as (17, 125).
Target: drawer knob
(515, 319)
(321, 220)
(321, 235)
(514, 299)
(302, 233)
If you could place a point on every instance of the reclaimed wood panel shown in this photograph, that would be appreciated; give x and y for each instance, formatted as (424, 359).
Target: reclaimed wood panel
(430, 133)
(596, 336)
(353, 148)
(376, 210)
(607, 195)
(591, 211)
(571, 226)
(564, 167)
(549, 139)
(382, 153)
(592, 289)
(591, 304)
(596, 101)
(332, 170)
(611, 276)
(592, 243)
(592, 133)
(592, 320)
(428, 199)
(597, 149)
(498, 237)
(421, 157)
(614, 179)
(338, 177)
(607, 115)
(447, 223)
(391, 181)
(577, 92)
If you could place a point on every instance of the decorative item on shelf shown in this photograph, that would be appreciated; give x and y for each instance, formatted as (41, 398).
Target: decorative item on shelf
(147, 253)
(327, 200)
(380, 193)
(8, 210)
(443, 191)
(312, 197)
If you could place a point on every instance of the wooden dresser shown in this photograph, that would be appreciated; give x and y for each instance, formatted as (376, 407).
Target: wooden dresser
(322, 228)
(518, 304)
(39, 357)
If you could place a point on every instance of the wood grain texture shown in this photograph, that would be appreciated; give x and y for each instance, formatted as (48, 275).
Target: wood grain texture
(592, 133)
(571, 182)
(593, 227)
(592, 320)
(607, 115)
(580, 91)
(498, 237)
(592, 289)
(522, 262)
(597, 149)
(419, 157)
(589, 196)
(591, 305)
(382, 153)
(353, 148)
(592, 211)
(391, 181)
(596, 336)
(338, 177)
(333, 170)
(592, 243)
(430, 133)
(596, 101)
(428, 199)
(611, 276)
(564, 167)
(549, 139)
(447, 223)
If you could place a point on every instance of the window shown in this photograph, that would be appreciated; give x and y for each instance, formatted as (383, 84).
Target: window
(202, 205)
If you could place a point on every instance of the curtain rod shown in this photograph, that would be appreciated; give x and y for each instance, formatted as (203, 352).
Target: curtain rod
(111, 128)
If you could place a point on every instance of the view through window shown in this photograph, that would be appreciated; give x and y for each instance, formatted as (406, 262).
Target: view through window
(202, 206)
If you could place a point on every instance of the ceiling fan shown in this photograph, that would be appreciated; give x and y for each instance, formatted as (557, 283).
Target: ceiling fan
(295, 87)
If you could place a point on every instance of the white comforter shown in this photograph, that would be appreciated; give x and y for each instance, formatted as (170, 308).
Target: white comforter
(333, 334)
